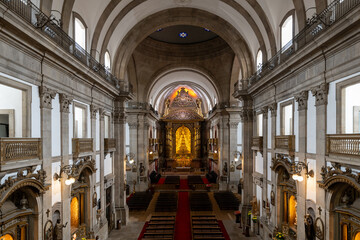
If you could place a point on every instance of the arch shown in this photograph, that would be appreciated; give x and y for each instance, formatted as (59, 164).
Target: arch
(28, 182)
(259, 60)
(291, 13)
(331, 181)
(300, 13)
(320, 5)
(185, 16)
(107, 60)
(66, 14)
(83, 23)
(83, 166)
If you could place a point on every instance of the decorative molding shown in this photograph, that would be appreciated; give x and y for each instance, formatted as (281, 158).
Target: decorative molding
(93, 110)
(233, 125)
(334, 174)
(246, 114)
(264, 111)
(302, 100)
(65, 102)
(281, 160)
(46, 97)
(273, 109)
(319, 228)
(320, 93)
(133, 125)
(102, 112)
(24, 178)
(182, 2)
(119, 116)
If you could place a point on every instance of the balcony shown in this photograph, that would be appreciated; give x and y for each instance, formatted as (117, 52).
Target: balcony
(257, 143)
(109, 145)
(343, 144)
(82, 147)
(17, 152)
(285, 144)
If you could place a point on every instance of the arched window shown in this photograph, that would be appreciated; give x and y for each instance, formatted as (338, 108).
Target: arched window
(287, 32)
(80, 32)
(107, 61)
(259, 60)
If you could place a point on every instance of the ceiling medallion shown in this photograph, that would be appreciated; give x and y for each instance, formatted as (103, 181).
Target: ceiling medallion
(183, 34)
(182, 2)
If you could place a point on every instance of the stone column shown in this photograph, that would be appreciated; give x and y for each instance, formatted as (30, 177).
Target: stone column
(93, 111)
(103, 220)
(302, 100)
(264, 112)
(65, 102)
(121, 210)
(46, 97)
(246, 115)
(142, 147)
(234, 176)
(224, 141)
(320, 92)
(273, 209)
(132, 176)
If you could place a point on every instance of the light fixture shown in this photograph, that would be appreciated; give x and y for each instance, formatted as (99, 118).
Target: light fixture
(130, 158)
(68, 170)
(296, 171)
(150, 152)
(237, 156)
(215, 151)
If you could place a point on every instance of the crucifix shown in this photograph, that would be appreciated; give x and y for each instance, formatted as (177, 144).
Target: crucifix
(47, 212)
(320, 210)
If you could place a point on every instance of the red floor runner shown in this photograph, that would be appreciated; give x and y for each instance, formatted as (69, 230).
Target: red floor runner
(184, 184)
(143, 230)
(161, 181)
(182, 224)
(223, 230)
(205, 181)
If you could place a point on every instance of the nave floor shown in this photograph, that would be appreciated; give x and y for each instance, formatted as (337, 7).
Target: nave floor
(137, 220)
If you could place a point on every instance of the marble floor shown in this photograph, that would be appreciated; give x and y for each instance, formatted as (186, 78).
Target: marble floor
(137, 220)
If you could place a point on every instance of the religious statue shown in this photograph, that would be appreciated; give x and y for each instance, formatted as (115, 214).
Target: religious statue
(198, 105)
(141, 170)
(254, 205)
(309, 227)
(232, 166)
(167, 106)
(58, 229)
(225, 169)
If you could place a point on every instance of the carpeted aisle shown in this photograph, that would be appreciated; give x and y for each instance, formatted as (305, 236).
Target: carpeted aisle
(182, 224)
(161, 181)
(184, 184)
(143, 231)
(223, 230)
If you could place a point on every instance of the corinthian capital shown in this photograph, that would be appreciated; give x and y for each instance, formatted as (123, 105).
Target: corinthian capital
(93, 111)
(65, 102)
(46, 97)
(302, 99)
(273, 109)
(320, 93)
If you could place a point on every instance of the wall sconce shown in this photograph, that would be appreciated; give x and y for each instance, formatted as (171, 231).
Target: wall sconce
(215, 151)
(296, 171)
(67, 169)
(237, 156)
(130, 158)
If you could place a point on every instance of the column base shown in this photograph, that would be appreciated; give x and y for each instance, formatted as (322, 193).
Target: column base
(122, 214)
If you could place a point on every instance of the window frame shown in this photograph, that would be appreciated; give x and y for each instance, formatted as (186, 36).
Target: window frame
(287, 15)
(107, 52)
(77, 16)
(259, 69)
(282, 116)
(85, 114)
(258, 124)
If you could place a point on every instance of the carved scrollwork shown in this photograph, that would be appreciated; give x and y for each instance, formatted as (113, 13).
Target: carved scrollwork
(65, 102)
(246, 114)
(264, 112)
(273, 109)
(281, 160)
(320, 93)
(46, 97)
(119, 116)
(93, 110)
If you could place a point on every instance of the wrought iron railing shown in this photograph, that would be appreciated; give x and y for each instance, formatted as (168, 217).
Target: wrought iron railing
(13, 149)
(82, 147)
(50, 28)
(343, 144)
(257, 142)
(315, 26)
(285, 142)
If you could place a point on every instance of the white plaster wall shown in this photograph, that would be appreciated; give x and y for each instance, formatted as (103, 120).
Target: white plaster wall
(11, 98)
(260, 125)
(239, 133)
(351, 99)
(311, 126)
(259, 163)
(268, 166)
(98, 193)
(269, 130)
(71, 129)
(311, 182)
(127, 132)
(88, 122)
(259, 197)
(35, 113)
(107, 165)
(56, 185)
(296, 126)
(98, 168)
(55, 127)
(97, 129)
(331, 109)
(278, 119)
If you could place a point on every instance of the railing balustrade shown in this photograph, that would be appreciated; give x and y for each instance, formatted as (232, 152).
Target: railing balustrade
(343, 144)
(14, 149)
(82, 147)
(257, 142)
(109, 145)
(285, 142)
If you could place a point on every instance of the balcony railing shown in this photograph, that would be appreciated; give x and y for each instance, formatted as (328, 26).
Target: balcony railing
(257, 143)
(49, 26)
(14, 149)
(285, 142)
(314, 28)
(109, 145)
(343, 144)
(82, 147)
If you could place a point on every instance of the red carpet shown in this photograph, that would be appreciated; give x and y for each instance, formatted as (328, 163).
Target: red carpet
(205, 181)
(143, 231)
(128, 198)
(161, 181)
(184, 184)
(223, 230)
(182, 224)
